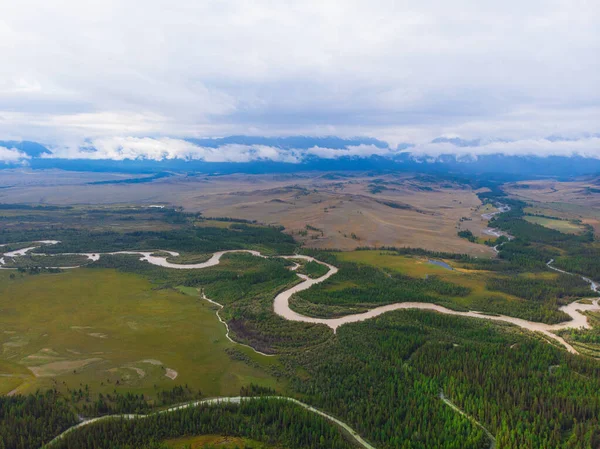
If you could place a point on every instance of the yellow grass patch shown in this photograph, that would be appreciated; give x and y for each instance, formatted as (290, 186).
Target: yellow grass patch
(558, 225)
(56, 368)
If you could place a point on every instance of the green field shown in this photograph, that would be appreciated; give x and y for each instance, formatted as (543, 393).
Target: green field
(113, 330)
(418, 267)
(311, 268)
(411, 266)
(568, 227)
(389, 277)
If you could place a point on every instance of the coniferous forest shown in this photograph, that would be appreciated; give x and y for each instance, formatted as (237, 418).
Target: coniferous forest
(406, 379)
(292, 224)
(268, 420)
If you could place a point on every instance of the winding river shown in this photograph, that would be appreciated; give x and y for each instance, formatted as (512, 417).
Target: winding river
(282, 308)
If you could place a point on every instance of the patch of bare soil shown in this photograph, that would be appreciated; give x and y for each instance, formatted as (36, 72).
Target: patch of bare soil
(171, 373)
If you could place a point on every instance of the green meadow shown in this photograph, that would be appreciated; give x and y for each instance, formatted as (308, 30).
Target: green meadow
(565, 226)
(111, 330)
(420, 267)
(390, 277)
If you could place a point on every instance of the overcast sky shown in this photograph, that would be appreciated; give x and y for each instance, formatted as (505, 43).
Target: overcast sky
(401, 71)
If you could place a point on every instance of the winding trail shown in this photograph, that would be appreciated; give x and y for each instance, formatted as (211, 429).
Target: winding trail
(220, 306)
(282, 308)
(457, 409)
(214, 401)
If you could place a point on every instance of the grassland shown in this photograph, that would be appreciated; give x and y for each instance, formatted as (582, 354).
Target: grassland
(570, 200)
(311, 269)
(120, 325)
(487, 208)
(588, 214)
(343, 212)
(420, 267)
(399, 278)
(412, 266)
(113, 330)
(565, 226)
(122, 219)
(350, 213)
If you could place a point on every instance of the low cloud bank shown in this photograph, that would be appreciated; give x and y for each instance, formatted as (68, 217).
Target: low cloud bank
(349, 151)
(12, 156)
(157, 149)
(585, 147)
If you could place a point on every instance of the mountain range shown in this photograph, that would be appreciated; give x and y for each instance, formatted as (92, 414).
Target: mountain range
(303, 153)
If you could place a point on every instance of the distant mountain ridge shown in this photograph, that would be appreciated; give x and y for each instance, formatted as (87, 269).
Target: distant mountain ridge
(398, 159)
(289, 142)
(31, 149)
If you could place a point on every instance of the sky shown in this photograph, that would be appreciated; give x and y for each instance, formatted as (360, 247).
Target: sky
(134, 77)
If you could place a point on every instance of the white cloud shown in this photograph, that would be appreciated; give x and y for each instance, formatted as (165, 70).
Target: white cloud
(394, 69)
(350, 151)
(12, 156)
(585, 147)
(121, 148)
